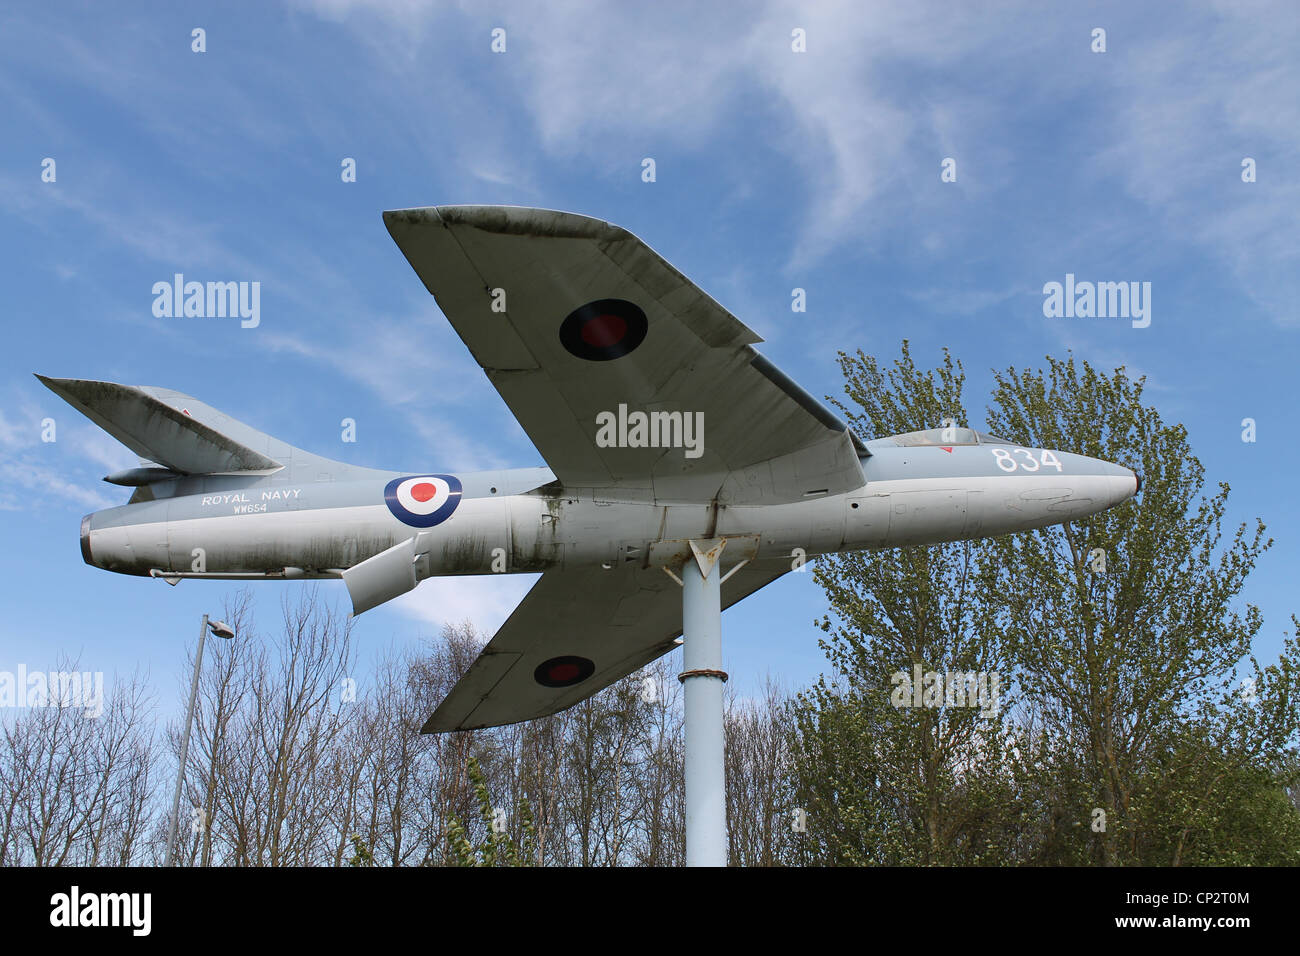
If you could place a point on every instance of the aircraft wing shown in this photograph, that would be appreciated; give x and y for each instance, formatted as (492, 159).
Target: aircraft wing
(572, 317)
(606, 623)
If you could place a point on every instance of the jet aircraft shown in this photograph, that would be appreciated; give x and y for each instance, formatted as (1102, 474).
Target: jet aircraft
(660, 425)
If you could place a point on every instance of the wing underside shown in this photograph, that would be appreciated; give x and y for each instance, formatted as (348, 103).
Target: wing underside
(618, 619)
(576, 321)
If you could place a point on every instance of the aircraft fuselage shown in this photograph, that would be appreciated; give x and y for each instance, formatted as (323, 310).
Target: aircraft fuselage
(521, 521)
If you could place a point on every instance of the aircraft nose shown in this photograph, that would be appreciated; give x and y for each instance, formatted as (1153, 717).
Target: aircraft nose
(1123, 482)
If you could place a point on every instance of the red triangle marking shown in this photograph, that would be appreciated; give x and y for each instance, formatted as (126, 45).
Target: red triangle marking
(946, 448)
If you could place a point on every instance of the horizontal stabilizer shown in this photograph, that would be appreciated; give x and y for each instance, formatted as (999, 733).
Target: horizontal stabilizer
(168, 434)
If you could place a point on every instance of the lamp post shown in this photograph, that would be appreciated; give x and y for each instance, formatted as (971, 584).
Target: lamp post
(224, 631)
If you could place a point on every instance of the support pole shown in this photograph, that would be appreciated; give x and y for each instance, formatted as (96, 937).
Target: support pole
(702, 680)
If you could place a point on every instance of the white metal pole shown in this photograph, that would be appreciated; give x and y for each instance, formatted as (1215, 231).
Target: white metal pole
(185, 745)
(702, 680)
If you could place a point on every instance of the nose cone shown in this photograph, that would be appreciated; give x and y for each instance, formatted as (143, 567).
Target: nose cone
(1094, 484)
(1119, 483)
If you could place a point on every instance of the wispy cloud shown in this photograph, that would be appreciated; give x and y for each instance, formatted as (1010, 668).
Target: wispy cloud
(418, 367)
(65, 469)
(963, 301)
(1189, 106)
(485, 600)
(885, 91)
(25, 479)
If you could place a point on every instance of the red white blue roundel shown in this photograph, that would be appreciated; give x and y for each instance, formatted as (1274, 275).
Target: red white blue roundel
(423, 501)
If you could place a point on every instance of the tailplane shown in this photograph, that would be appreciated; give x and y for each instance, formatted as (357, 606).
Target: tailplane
(169, 428)
(178, 436)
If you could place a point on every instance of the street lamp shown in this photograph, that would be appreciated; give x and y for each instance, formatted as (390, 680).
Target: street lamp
(226, 632)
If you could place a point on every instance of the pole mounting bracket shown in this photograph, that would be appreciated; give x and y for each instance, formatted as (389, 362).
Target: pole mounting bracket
(702, 672)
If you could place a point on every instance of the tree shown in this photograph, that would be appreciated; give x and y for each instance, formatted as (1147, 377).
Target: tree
(1123, 625)
(77, 784)
(270, 720)
(495, 847)
(1124, 732)
(885, 781)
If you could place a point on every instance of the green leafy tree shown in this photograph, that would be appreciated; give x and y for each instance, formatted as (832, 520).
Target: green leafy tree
(1126, 732)
(1218, 791)
(884, 781)
(361, 855)
(1126, 631)
(496, 847)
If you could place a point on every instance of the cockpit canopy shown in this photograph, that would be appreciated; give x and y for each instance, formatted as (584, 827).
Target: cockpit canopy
(939, 436)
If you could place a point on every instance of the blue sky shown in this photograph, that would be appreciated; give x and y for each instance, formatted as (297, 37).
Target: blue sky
(775, 170)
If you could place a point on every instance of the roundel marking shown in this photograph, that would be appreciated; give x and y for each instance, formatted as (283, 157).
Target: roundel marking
(423, 501)
(563, 671)
(604, 329)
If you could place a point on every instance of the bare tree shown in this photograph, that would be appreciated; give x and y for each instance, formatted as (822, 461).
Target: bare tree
(76, 779)
(761, 815)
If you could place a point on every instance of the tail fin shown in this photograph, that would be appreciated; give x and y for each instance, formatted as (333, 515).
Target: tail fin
(189, 440)
(174, 430)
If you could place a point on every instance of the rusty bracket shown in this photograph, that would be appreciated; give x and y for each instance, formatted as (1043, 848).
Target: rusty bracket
(702, 672)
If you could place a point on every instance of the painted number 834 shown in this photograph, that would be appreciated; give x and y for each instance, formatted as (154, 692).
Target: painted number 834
(1008, 461)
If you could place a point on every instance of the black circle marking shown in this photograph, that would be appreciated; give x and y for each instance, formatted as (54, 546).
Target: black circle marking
(604, 329)
(563, 671)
